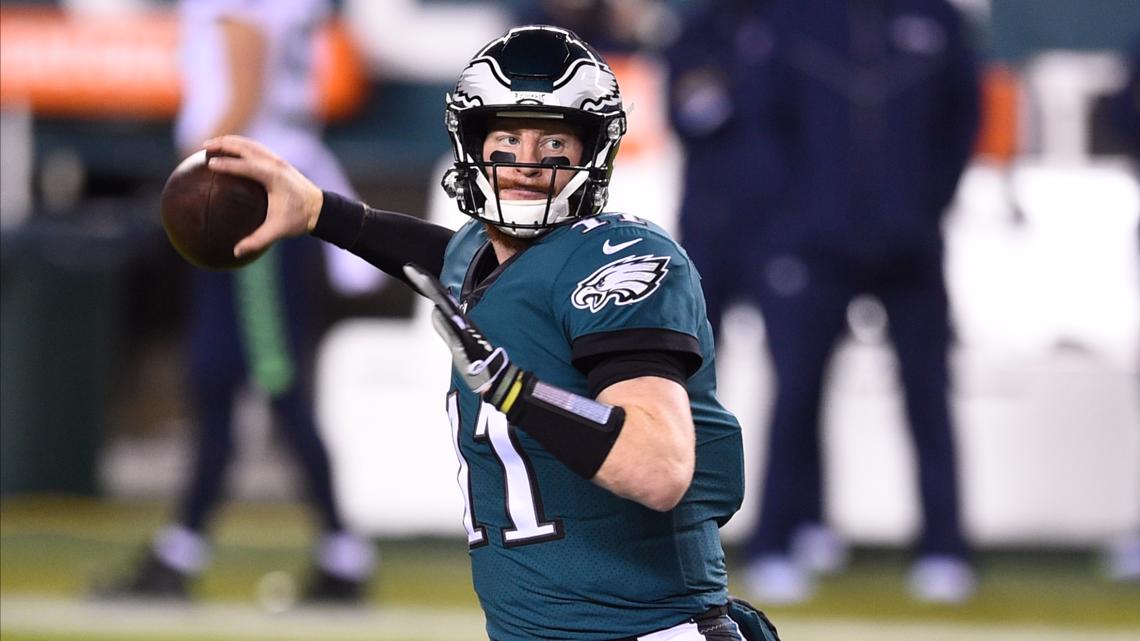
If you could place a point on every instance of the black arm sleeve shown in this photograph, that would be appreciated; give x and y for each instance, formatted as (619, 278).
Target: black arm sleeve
(608, 357)
(604, 371)
(385, 239)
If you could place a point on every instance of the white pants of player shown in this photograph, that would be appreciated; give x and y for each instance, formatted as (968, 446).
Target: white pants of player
(719, 629)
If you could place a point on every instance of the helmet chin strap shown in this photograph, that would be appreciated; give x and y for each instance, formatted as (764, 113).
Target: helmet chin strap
(527, 212)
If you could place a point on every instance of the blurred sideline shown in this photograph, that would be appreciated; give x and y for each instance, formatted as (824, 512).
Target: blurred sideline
(410, 623)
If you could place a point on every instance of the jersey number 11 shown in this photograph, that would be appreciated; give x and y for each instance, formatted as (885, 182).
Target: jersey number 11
(523, 500)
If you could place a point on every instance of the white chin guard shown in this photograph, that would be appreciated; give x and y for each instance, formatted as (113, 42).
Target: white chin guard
(527, 212)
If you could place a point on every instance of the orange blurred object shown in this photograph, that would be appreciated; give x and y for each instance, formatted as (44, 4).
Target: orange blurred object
(127, 67)
(341, 75)
(997, 136)
(642, 82)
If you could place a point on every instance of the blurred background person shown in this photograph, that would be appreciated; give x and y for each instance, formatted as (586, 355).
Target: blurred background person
(247, 67)
(719, 73)
(832, 135)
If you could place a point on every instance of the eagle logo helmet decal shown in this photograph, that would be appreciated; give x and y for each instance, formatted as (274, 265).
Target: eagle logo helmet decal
(625, 281)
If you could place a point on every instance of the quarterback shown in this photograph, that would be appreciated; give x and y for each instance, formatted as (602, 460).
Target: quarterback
(596, 463)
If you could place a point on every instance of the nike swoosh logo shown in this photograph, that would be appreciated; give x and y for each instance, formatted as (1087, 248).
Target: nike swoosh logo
(608, 249)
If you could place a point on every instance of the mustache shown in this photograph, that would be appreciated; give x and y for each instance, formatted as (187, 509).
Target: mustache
(542, 184)
(543, 187)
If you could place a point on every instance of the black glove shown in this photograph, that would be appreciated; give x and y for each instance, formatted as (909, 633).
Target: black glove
(754, 625)
(487, 369)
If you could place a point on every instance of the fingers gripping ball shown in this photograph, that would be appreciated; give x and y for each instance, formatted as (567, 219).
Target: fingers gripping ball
(205, 213)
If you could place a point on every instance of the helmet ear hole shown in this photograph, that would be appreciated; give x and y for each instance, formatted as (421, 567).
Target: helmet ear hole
(601, 195)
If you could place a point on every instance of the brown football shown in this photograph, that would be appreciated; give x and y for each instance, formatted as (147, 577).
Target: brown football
(206, 213)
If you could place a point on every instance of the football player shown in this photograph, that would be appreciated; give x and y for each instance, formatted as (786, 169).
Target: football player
(595, 461)
(247, 66)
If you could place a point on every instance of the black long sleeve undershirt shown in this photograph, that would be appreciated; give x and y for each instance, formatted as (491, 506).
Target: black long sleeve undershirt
(385, 239)
(389, 241)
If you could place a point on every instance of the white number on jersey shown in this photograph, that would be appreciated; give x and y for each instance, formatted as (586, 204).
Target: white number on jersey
(523, 501)
(589, 224)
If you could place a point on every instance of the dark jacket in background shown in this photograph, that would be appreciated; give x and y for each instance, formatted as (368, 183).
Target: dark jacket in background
(876, 112)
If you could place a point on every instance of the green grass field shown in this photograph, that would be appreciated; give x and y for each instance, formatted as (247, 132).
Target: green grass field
(52, 548)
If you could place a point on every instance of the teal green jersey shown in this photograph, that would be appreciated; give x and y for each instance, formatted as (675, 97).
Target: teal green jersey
(553, 555)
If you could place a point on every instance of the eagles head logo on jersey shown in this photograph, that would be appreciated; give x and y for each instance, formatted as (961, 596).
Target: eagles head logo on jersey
(624, 281)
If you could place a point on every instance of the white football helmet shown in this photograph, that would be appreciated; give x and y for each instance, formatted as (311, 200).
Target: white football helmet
(534, 72)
